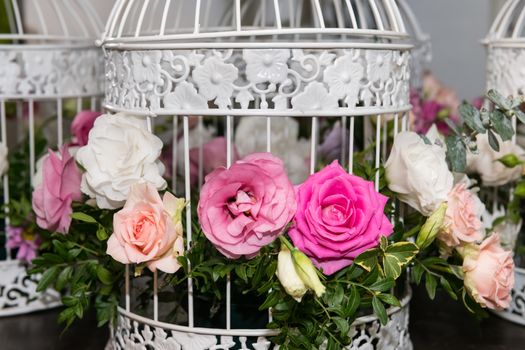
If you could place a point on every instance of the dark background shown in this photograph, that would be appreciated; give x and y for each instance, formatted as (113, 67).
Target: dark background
(439, 325)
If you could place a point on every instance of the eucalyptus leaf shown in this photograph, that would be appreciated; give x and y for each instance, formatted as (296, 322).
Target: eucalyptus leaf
(498, 99)
(456, 153)
(472, 117)
(493, 141)
(502, 125)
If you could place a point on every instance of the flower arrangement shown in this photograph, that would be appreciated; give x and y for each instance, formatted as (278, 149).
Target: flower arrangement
(317, 254)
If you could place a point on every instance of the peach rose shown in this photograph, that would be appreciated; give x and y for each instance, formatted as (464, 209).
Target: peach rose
(463, 218)
(148, 230)
(489, 273)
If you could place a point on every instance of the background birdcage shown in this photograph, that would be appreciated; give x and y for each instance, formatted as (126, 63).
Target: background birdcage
(421, 54)
(505, 61)
(50, 69)
(286, 70)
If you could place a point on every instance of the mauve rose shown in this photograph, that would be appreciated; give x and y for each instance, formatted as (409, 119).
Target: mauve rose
(213, 157)
(81, 126)
(332, 146)
(463, 217)
(24, 240)
(338, 217)
(148, 230)
(59, 188)
(489, 273)
(246, 207)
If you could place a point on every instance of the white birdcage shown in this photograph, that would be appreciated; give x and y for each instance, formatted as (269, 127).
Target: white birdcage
(49, 66)
(230, 60)
(505, 73)
(421, 54)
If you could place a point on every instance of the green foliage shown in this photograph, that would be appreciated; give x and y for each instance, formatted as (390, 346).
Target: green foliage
(76, 265)
(497, 121)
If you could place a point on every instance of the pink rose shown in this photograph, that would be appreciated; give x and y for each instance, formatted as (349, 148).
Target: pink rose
(246, 207)
(489, 273)
(81, 126)
(148, 230)
(463, 218)
(338, 217)
(59, 188)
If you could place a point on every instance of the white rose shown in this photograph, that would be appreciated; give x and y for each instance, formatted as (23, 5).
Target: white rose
(418, 173)
(250, 137)
(4, 161)
(120, 152)
(486, 163)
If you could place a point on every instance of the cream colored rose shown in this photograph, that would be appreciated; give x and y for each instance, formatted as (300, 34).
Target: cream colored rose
(418, 173)
(120, 152)
(486, 163)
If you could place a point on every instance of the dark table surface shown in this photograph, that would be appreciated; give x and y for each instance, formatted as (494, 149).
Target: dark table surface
(438, 325)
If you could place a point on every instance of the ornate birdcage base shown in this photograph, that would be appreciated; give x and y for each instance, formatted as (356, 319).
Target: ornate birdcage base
(133, 331)
(18, 293)
(516, 311)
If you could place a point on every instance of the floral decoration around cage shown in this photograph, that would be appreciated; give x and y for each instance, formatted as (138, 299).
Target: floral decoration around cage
(297, 197)
(48, 71)
(505, 56)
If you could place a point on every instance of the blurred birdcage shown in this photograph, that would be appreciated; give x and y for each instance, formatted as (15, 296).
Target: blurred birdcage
(267, 75)
(505, 45)
(50, 69)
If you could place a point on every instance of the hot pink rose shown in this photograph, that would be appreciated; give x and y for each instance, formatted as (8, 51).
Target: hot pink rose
(148, 230)
(463, 217)
(338, 217)
(59, 188)
(489, 273)
(245, 207)
(81, 126)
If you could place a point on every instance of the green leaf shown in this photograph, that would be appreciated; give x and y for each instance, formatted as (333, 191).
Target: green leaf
(379, 310)
(102, 235)
(510, 160)
(502, 125)
(389, 299)
(63, 278)
(368, 259)
(383, 284)
(84, 217)
(397, 256)
(354, 300)
(493, 141)
(342, 325)
(240, 271)
(417, 273)
(472, 117)
(104, 275)
(431, 285)
(498, 99)
(456, 153)
(271, 300)
(448, 288)
(47, 278)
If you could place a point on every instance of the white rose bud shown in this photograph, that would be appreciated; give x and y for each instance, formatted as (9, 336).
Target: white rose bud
(418, 173)
(307, 272)
(290, 280)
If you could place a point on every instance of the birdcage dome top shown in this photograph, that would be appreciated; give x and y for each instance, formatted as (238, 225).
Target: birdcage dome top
(248, 23)
(508, 29)
(49, 22)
